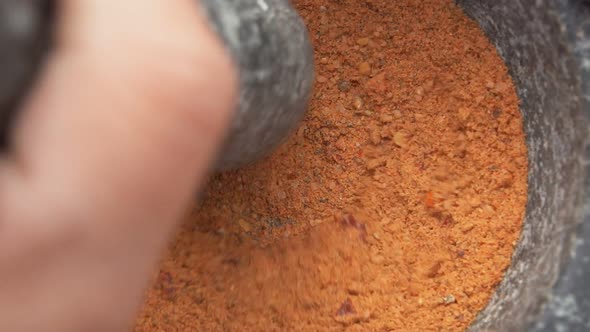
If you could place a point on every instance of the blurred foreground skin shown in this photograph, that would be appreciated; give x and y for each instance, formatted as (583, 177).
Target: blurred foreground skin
(110, 148)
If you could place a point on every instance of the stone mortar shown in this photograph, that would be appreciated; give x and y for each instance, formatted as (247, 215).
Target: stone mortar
(537, 40)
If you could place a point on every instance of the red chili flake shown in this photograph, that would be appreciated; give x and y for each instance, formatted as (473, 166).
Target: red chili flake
(346, 308)
(350, 221)
(235, 261)
(420, 166)
(363, 232)
(460, 253)
(447, 220)
(338, 158)
(164, 278)
(165, 284)
(429, 199)
(170, 293)
(434, 269)
(496, 112)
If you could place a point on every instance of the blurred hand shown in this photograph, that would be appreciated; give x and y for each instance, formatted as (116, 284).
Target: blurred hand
(114, 140)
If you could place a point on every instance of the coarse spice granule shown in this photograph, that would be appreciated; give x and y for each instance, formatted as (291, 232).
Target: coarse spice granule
(395, 206)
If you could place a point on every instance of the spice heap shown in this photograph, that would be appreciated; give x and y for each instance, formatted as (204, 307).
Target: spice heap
(395, 206)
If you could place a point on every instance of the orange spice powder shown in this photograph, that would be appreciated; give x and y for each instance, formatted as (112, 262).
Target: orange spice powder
(395, 206)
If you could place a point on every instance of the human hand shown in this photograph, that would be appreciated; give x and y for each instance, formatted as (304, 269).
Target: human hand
(119, 132)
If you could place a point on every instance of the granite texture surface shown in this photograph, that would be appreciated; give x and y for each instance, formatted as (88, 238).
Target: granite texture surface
(533, 37)
(568, 306)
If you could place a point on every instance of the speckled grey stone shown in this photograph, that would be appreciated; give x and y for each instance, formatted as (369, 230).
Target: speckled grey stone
(270, 44)
(568, 306)
(533, 38)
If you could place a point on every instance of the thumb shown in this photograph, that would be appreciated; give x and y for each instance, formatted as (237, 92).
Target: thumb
(121, 128)
(129, 112)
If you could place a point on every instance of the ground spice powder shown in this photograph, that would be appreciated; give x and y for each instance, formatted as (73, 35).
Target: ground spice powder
(395, 206)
